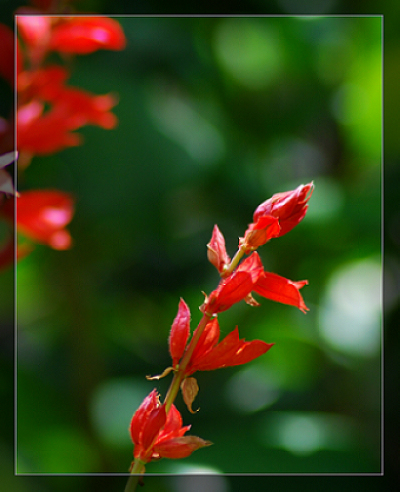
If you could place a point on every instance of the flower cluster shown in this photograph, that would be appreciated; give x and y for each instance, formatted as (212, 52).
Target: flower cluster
(151, 426)
(157, 434)
(48, 113)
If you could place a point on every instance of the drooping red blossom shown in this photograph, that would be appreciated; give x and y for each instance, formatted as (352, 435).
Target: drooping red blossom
(231, 351)
(216, 250)
(289, 207)
(83, 35)
(42, 215)
(179, 333)
(234, 288)
(280, 289)
(157, 434)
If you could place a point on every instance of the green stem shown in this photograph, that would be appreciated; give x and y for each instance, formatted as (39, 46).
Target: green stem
(180, 374)
(136, 473)
(235, 262)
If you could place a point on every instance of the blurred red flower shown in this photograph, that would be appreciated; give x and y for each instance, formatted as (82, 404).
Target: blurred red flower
(42, 215)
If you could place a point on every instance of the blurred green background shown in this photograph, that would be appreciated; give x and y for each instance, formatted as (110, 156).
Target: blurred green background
(215, 115)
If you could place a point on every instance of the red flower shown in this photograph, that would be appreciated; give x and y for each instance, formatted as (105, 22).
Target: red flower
(45, 132)
(42, 216)
(251, 277)
(231, 351)
(235, 287)
(289, 207)
(158, 435)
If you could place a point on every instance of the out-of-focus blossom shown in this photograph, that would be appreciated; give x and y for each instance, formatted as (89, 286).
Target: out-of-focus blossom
(68, 34)
(83, 35)
(42, 215)
(45, 132)
(157, 434)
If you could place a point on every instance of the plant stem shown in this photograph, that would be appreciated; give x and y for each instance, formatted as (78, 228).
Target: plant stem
(136, 473)
(235, 261)
(179, 375)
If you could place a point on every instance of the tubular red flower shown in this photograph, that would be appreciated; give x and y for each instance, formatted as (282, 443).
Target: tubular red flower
(235, 287)
(280, 289)
(289, 207)
(42, 216)
(231, 351)
(156, 434)
(179, 333)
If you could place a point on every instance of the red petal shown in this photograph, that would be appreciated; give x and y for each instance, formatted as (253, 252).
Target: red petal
(139, 417)
(180, 447)
(281, 289)
(152, 426)
(84, 35)
(173, 422)
(208, 339)
(232, 352)
(179, 333)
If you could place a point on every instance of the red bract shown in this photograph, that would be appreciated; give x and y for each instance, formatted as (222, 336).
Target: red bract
(82, 35)
(234, 288)
(260, 232)
(156, 434)
(280, 289)
(231, 351)
(289, 207)
(216, 251)
(179, 333)
(42, 216)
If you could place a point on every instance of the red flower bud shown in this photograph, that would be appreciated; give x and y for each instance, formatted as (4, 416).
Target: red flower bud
(289, 207)
(216, 251)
